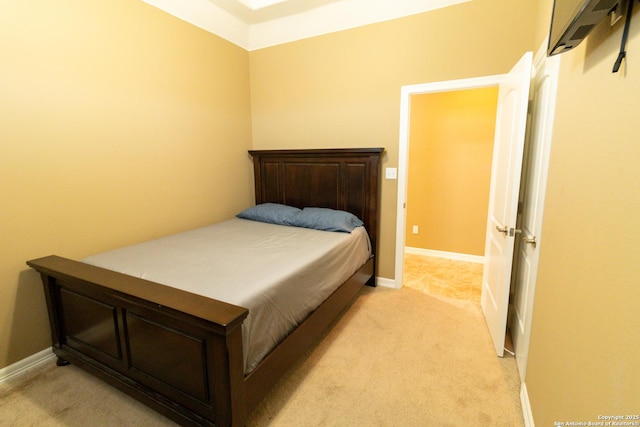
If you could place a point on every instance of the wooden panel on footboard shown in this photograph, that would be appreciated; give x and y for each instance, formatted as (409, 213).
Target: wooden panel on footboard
(178, 352)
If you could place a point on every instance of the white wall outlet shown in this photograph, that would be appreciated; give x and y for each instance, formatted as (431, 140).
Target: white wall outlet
(391, 173)
(415, 229)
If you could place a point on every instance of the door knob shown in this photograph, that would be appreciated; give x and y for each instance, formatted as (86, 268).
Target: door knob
(503, 229)
(530, 239)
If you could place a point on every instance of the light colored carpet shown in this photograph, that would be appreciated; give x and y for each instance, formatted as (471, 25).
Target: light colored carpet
(396, 358)
(51, 396)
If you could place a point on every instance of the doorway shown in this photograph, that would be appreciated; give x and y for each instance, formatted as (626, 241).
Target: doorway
(449, 174)
(403, 160)
(511, 120)
(524, 225)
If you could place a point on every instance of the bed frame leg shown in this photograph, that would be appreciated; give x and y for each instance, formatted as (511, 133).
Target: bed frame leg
(62, 362)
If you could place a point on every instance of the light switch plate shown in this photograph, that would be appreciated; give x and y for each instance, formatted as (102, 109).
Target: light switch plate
(391, 173)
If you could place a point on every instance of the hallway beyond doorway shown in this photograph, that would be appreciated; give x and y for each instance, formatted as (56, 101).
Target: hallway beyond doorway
(443, 277)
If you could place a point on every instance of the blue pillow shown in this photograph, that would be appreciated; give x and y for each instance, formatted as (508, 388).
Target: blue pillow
(326, 219)
(273, 213)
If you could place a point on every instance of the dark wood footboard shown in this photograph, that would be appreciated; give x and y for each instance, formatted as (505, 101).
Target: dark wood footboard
(177, 352)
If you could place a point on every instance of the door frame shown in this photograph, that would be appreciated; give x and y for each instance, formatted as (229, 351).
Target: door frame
(403, 147)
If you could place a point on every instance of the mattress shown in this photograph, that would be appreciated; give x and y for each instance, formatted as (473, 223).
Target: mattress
(280, 273)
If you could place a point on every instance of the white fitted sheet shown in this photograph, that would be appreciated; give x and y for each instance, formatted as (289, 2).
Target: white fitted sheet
(281, 274)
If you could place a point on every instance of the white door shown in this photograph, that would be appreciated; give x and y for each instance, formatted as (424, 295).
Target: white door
(511, 123)
(532, 192)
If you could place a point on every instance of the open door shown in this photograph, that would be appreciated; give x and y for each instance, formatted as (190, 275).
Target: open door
(511, 122)
(532, 193)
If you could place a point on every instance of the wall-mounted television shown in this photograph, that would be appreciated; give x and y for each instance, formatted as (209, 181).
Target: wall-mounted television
(573, 20)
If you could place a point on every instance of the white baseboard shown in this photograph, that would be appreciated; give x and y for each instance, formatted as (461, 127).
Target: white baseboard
(386, 283)
(526, 406)
(442, 254)
(25, 365)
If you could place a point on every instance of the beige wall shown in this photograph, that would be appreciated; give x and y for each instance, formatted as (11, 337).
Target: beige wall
(343, 89)
(450, 155)
(585, 342)
(118, 123)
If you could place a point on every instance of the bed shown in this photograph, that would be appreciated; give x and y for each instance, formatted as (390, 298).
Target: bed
(183, 353)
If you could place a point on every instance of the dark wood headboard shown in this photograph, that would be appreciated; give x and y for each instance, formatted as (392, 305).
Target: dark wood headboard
(345, 179)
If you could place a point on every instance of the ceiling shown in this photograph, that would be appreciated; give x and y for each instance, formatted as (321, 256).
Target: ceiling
(255, 11)
(255, 24)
